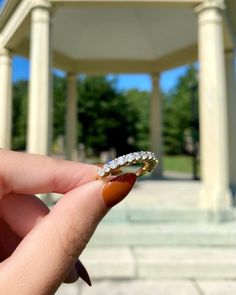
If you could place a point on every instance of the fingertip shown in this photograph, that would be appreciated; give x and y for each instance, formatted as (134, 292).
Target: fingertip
(78, 271)
(118, 188)
(72, 276)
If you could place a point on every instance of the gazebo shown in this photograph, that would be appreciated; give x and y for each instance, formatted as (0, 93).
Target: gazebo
(128, 36)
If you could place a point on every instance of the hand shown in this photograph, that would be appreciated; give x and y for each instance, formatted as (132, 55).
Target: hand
(39, 249)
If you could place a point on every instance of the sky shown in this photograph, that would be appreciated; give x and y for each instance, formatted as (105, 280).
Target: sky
(125, 82)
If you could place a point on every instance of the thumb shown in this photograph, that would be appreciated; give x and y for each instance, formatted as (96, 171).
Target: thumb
(45, 256)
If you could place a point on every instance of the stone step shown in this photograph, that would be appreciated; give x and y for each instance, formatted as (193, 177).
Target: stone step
(129, 234)
(151, 287)
(151, 213)
(160, 263)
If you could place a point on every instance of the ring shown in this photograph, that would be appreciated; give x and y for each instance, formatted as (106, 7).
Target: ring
(148, 159)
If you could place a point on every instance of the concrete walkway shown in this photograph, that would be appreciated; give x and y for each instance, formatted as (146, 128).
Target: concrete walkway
(149, 287)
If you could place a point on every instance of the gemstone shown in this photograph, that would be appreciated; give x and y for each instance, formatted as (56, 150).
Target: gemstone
(121, 160)
(113, 164)
(143, 155)
(150, 155)
(101, 172)
(130, 158)
(106, 168)
(137, 156)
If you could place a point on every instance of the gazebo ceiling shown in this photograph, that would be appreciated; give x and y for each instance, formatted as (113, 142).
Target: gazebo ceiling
(114, 36)
(122, 33)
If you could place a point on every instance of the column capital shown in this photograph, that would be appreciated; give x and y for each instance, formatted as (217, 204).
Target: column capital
(5, 52)
(5, 56)
(41, 3)
(210, 4)
(41, 11)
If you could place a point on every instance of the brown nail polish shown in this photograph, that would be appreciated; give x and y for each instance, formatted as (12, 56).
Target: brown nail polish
(82, 272)
(118, 188)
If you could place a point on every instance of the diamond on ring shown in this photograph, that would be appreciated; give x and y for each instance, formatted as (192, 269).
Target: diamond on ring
(148, 159)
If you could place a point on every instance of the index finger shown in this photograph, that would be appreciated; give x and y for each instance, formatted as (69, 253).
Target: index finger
(32, 174)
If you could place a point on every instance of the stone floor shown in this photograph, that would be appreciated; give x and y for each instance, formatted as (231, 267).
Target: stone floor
(148, 287)
(157, 242)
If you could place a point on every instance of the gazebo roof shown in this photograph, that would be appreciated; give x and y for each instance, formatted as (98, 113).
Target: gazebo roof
(114, 36)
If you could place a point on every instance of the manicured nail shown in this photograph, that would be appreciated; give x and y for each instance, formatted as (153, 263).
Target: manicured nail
(118, 188)
(82, 272)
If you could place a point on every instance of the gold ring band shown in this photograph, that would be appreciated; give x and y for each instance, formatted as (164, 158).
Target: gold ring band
(148, 159)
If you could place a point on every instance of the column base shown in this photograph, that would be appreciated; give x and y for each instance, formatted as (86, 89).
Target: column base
(217, 201)
(226, 215)
(157, 174)
(233, 192)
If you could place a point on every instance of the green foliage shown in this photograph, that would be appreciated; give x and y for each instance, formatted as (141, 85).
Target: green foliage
(59, 106)
(19, 120)
(140, 102)
(19, 115)
(107, 119)
(181, 115)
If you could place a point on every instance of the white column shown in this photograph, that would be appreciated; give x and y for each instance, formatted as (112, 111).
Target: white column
(39, 120)
(156, 123)
(215, 193)
(5, 98)
(231, 94)
(71, 118)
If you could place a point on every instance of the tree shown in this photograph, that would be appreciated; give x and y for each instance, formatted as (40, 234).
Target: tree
(59, 106)
(106, 118)
(140, 102)
(19, 120)
(19, 115)
(181, 114)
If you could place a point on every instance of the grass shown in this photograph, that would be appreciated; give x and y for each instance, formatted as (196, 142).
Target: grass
(180, 163)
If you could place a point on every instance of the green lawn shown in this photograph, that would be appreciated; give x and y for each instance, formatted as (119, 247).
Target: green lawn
(178, 163)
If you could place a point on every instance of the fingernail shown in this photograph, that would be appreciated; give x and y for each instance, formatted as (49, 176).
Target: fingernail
(82, 272)
(118, 188)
